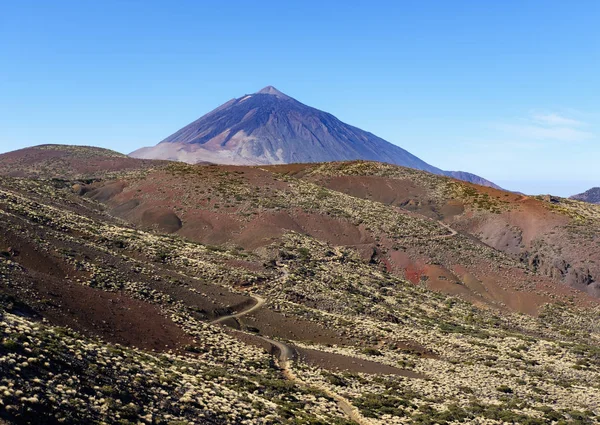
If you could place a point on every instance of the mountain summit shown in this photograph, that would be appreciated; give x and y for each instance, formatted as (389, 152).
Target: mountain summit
(273, 91)
(270, 127)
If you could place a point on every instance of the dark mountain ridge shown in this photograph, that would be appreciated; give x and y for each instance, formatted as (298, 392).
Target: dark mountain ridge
(592, 196)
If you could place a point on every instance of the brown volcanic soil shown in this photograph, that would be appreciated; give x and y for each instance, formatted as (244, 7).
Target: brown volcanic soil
(401, 192)
(200, 203)
(54, 246)
(331, 361)
(492, 289)
(275, 324)
(537, 231)
(376, 188)
(339, 362)
(526, 220)
(526, 228)
(46, 285)
(188, 208)
(544, 238)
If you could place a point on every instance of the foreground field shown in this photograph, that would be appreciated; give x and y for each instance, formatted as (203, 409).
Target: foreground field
(107, 318)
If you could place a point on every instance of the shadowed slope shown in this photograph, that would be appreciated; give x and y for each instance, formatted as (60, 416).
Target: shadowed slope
(592, 196)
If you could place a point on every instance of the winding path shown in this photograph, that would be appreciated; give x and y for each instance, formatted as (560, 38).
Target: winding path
(450, 229)
(260, 301)
(286, 354)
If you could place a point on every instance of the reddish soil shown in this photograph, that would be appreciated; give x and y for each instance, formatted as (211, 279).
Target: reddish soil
(47, 286)
(164, 219)
(380, 189)
(188, 203)
(193, 216)
(185, 205)
(182, 203)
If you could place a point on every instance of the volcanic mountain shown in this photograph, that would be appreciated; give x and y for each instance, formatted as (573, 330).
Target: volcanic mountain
(592, 196)
(269, 127)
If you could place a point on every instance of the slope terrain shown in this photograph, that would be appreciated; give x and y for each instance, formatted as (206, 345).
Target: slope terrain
(68, 162)
(269, 127)
(592, 196)
(292, 294)
(555, 237)
(406, 231)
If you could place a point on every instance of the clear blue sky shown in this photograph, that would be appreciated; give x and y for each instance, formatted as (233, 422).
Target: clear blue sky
(509, 90)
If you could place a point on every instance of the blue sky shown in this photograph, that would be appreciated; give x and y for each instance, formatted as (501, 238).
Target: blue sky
(508, 90)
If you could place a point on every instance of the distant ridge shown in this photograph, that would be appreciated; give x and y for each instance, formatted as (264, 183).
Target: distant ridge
(270, 127)
(592, 196)
(67, 162)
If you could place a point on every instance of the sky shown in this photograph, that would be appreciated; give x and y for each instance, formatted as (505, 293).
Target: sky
(509, 90)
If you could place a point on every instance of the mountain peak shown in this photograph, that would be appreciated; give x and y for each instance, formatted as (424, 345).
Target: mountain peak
(592, 196)
(272, 91)
(269, 127)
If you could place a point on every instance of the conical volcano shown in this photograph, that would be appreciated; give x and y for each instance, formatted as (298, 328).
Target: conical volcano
(270, 127)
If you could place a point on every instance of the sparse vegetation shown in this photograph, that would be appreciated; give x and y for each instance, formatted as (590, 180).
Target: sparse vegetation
(446, 360)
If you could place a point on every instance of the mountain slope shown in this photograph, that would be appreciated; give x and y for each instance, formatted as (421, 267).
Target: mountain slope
(68, 162)
(269, 127)
(592, 196)
(556, 237)
(103, 322)
(335, 293)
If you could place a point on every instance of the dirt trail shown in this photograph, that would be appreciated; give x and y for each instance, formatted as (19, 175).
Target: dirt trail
(423, 217)
(286, 353)
(260, 301)
(450, 229)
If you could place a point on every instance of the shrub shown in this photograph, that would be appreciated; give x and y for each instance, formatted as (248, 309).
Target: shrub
(372, 352)
(504, 389)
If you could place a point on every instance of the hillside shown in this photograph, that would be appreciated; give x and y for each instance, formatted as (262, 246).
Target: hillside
(269, 127)
(403, 230)
(592, 196)
(554, 236)
(68, 162)
(336, 293)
